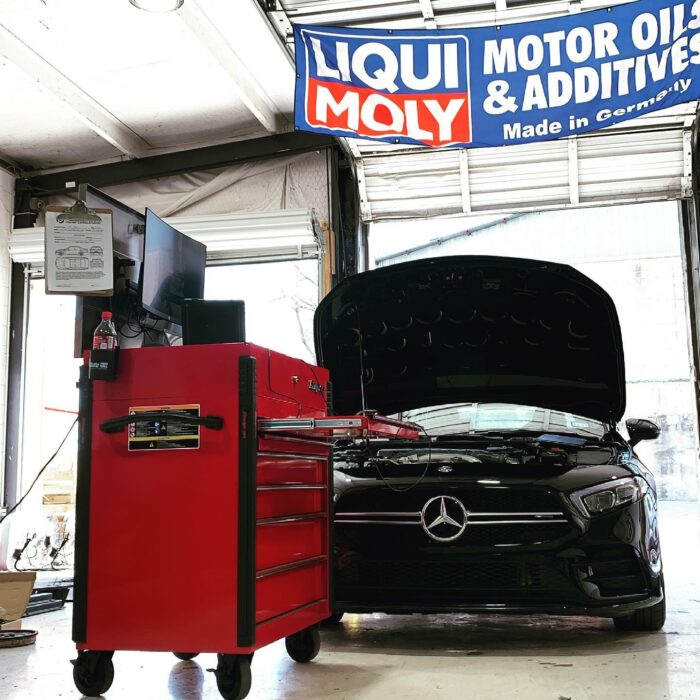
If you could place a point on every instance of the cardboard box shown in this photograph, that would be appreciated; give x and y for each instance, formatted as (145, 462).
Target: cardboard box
(15, 589)
(11, 626)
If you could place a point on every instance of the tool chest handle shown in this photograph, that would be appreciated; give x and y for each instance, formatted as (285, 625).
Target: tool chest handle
(116, 425)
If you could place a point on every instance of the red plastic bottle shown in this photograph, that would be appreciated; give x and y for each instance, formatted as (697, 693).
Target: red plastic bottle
(105, 336)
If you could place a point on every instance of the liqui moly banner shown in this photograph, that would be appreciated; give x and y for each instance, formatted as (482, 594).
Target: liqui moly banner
(498, 85)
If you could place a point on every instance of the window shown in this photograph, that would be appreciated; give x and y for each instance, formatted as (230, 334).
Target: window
(49, 408)
(280, 299)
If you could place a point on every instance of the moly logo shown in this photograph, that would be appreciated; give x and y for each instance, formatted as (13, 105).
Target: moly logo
(402, 89)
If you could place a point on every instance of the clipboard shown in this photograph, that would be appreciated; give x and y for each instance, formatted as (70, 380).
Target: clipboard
(78, 250)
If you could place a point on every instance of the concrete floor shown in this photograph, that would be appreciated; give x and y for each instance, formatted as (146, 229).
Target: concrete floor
(461, 657)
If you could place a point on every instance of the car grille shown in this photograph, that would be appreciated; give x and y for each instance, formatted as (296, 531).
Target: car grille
(445, 581)
(488, 536)
(485, 499)
(496, 516)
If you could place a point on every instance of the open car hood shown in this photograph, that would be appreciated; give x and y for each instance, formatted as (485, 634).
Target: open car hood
(472, 329)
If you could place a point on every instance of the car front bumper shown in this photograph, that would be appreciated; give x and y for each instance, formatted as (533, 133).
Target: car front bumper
(607, 610)
(605, 566)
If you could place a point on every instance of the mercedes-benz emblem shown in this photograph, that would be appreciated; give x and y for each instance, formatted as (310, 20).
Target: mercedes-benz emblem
(444, 518)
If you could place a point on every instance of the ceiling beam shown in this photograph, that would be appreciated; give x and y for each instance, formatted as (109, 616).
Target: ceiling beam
(57, 85)
(246, 86)
(426, 7)
(273, 16)
(9, 164)
(282, 26)
(208, 158)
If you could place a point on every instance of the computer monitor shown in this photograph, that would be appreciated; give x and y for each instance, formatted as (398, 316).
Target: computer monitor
(172, 270)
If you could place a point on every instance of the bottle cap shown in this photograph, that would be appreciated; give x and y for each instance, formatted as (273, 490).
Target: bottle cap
(106, 314)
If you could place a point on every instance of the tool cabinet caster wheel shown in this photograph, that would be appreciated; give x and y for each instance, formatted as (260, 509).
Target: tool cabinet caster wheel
(233, 676)
(185, 657)
(305, 645)
(93, 672)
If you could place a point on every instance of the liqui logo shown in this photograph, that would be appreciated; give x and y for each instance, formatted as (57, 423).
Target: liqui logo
(407, 89)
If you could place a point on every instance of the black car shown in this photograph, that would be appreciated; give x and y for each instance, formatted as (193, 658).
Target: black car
(521, 496)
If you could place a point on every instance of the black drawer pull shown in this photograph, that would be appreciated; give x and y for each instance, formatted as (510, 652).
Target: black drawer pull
(116, 425)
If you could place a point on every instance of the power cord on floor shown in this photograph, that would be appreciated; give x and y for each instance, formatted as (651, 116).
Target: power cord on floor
(38, 476)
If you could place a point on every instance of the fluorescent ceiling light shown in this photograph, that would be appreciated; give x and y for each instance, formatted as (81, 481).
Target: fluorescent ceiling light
(157, 5)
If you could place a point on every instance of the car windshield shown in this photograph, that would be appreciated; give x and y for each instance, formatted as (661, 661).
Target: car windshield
(461, 418)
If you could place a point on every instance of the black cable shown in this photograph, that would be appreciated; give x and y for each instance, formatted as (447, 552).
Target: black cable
(124, 311)
(363, 401)
(422, 476)
(365, 411)
(141, 320)
(135, 332)
(41, 471)
(17, 556)
(57, 551)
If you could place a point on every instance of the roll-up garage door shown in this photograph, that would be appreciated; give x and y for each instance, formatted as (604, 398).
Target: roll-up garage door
(290, 234)
(647, 159)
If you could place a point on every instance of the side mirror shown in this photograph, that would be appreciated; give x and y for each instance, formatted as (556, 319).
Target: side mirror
(641, 429)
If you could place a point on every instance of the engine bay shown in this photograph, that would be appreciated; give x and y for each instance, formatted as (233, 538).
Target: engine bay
(462, 456)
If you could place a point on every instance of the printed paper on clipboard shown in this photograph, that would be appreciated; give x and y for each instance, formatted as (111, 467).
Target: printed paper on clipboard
(78, 250)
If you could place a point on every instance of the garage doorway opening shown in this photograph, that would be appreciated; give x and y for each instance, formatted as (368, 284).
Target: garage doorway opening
(634, 253)
(280, 299)
(45, 522)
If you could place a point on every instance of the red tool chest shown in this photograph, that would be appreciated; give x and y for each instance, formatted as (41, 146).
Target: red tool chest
(198, 530)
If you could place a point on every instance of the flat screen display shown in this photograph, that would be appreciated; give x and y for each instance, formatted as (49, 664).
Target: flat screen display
(172, 270)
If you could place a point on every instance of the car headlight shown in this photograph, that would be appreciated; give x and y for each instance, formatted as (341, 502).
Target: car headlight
(604, 497)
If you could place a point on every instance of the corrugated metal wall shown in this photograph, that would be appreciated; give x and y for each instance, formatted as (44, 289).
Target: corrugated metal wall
(648, 160)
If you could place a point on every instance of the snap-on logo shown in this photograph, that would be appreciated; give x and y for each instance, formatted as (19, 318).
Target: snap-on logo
(316, 387)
